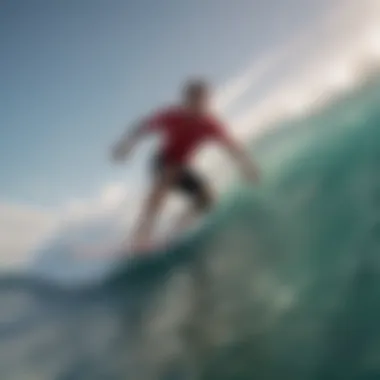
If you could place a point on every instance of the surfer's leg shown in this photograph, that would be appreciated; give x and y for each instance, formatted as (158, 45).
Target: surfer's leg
(153, 204)
(197, 189)
(192, 184)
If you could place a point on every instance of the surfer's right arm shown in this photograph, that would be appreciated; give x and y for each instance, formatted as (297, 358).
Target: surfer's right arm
(128, 141)
(124, 146)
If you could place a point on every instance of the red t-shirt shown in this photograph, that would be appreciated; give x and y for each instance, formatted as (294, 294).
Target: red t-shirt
(184, 132)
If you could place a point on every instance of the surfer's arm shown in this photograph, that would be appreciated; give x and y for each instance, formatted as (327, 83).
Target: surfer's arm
(240, 154)
(134, 135)
(237, 151)
(128, 140)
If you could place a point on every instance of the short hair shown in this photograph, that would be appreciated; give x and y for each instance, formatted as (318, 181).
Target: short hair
(195, 87)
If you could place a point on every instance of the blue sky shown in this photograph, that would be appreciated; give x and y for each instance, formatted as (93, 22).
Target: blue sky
(74, 72)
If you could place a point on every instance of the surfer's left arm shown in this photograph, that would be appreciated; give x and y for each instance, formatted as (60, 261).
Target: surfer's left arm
(238, 152)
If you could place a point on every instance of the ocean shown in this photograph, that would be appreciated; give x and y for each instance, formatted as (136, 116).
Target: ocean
(281, 282)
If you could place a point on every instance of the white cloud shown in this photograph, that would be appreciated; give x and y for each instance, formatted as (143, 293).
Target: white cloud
(108, 199)
(22, 228)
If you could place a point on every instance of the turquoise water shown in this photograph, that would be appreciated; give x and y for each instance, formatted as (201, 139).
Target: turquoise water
(282, 283)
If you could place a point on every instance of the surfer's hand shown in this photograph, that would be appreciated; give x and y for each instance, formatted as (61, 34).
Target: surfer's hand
(248, 168)
(251, 174)
(120, 152)
(116, 155)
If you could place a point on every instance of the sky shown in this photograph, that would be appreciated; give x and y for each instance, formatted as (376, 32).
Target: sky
(75, 73)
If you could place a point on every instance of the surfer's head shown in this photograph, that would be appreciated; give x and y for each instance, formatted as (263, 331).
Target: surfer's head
(196, 94)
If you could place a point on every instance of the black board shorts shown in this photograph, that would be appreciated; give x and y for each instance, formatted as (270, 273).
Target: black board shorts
(188, 181)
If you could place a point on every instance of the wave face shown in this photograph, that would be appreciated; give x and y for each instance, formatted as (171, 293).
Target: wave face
(282, 282)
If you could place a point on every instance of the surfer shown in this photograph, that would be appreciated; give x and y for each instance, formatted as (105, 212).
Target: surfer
(184, 128)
